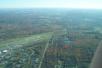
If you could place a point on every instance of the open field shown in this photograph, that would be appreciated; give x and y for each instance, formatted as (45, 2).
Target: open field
(18, 42)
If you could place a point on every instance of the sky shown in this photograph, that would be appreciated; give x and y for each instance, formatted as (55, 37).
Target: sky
(96, 4)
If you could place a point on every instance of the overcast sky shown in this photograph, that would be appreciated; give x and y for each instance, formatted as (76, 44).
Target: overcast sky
(51, 3)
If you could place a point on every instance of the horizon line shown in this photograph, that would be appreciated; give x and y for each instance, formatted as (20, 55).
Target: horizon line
(48, 8)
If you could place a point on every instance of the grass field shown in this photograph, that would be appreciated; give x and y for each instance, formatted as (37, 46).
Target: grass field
(26, 40)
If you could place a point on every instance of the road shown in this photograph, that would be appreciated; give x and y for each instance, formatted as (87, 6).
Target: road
(42, 58)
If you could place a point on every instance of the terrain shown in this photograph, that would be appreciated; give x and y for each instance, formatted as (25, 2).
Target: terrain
(49, 38)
